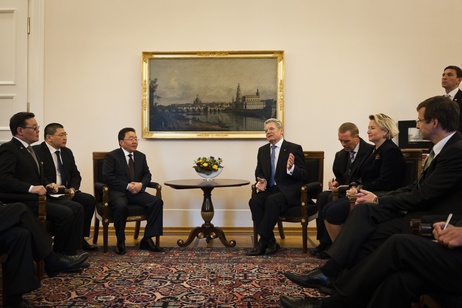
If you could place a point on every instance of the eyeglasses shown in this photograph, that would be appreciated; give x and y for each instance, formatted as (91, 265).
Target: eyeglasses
(62, 135)
(36, 128)
(418, 121)
(132, 139)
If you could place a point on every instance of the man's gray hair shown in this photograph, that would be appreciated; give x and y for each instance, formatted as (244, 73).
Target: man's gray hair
(278, 122)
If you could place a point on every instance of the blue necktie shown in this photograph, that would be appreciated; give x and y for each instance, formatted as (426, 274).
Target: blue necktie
(273, 164)
(61, 168)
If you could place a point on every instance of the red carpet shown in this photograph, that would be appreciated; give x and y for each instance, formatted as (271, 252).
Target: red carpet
(179, 277)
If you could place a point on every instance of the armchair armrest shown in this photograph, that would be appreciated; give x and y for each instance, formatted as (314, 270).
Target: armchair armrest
(339, 191)
(157, 187)
(313, 189)
(28, 198)
(423, 226)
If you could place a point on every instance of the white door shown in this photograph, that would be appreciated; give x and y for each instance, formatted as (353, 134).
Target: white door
(13, 62)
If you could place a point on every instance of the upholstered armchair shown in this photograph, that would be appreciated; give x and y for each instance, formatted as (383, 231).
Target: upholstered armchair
(103, 212)
(308, 210)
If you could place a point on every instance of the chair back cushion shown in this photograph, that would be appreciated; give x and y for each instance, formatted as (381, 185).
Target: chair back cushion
(413, 166)
(314, 161)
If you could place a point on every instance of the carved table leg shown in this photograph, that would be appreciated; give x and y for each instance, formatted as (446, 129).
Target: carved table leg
(207, 230)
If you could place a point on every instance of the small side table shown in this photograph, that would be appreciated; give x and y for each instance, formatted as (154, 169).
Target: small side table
(207, 230)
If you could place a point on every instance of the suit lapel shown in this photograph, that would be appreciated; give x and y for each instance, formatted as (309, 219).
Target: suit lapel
(28, 156)
(281, 164)
(123, 162)
(49, 158)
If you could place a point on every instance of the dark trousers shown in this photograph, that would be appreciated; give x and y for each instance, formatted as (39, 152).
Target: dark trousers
(366, 228)
(266, 207)
(88, 203)
(321, 233)
(66, 217)
(337, 211)
(398, 272)
(154, 209)
(25, 241)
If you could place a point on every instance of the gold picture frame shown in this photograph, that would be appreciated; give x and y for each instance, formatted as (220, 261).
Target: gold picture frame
(211, 94)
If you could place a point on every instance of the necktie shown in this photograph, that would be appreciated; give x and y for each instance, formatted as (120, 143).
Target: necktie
(131, 167)
(350, 161)
(273, 164)
(429, 159)
(61, 168)
(31, 151)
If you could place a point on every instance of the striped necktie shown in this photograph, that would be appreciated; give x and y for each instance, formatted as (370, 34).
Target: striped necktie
(273, 165)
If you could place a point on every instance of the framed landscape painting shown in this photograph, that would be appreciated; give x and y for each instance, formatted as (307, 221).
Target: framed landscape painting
(409, 136)
(211, 94)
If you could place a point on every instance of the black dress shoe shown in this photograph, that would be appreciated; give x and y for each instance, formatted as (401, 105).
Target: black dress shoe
(313, 279)
(292, 302)
(55, 263)
(89, 247)
(148, 244)
(320, 248)
(258, 250)
(22, 304)
(272, 248)
(120, 248)
(323, 255)
(83, 256)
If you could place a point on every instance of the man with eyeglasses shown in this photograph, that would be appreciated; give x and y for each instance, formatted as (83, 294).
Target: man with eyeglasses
(60, 168)
(21, 171)
(376, 218)
(126, 172)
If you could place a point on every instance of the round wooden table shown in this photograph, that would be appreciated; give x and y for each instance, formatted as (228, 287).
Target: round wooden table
(207, 230)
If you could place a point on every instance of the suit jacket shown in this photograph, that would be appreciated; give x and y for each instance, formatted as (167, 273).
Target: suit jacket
(458, 98)
(383, 169)
(18, 170)
(71, 172)
(340, 166)
(438, 190)
(117, 176)
(289, 185)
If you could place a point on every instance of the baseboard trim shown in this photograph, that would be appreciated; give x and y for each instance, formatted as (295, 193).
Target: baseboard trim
(227, 230)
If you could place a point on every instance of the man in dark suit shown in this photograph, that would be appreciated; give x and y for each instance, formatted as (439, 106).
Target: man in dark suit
(450, 81)
(280, 173)
(376, 218)
(25, 240)
(398, 272)
(60, 168)
(126, 172)
(346, 165)
(22, 172)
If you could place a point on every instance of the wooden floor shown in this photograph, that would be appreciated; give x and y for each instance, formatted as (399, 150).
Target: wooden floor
(243, 238)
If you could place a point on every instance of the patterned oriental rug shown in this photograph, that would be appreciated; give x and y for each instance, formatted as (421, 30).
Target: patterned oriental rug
(179, 277)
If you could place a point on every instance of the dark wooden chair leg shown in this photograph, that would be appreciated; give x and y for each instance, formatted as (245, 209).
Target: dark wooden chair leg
(281, 229)
(137, 229)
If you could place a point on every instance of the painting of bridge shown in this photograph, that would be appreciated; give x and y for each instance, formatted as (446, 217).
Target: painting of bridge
(211, 95)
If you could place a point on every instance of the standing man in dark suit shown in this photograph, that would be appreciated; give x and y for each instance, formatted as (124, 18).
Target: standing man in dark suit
(346, 165)
(398, 273)
(126, 172)
(450, 81)
(25, 241)
(22, 172)
(60, 168)
(377, 217)
(280, 173)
